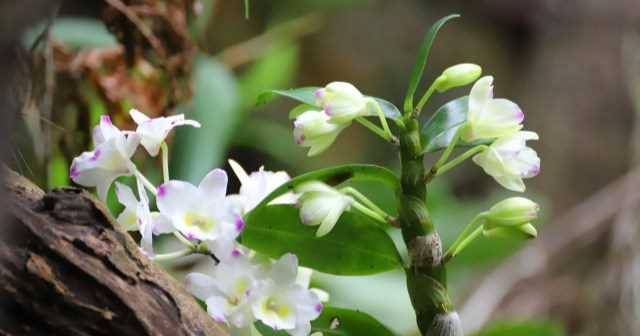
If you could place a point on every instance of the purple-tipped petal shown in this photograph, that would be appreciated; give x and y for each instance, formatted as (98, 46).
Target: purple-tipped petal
(73, 172)
(319, 307)
(239, 223)
(106, 119)
(162, 190)
(519, 115)
(96, 155)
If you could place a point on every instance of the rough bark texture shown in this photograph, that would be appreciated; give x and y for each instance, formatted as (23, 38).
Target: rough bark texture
(67, 269)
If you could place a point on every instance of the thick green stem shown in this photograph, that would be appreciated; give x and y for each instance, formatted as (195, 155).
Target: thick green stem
(426, 277)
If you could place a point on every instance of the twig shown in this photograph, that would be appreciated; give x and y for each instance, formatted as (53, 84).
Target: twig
(253, 48)
(144, 30)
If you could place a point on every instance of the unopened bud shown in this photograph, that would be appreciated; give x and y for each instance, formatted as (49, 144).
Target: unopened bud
(525, 231)
(514, 211)
(458, 75)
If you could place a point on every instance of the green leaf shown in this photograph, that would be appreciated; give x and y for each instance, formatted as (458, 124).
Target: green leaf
(438, 132)
(421, 61)
(390, 111)
(337, 175)
(346, 322)
(524, 328)
(355, 246)
(338, 322)
(306, 95)
(303, 95)
(196, 151)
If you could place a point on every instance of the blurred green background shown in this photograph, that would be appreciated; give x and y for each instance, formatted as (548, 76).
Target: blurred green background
(573, 67)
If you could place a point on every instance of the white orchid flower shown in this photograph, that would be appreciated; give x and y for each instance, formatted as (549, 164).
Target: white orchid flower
(202, 212)
(227, 293)
(488, 117)
(136, 216)
(258, 185)
(281, 303)
(508, 160)
(110, 159)
(312, 129)
(320, 204)
(342, 102)
(154, 131)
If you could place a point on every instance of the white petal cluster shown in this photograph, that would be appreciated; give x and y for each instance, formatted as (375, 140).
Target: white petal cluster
(154, 131)
(136, 216)
(239, 292)
(508, 159)
(488, 117)
(110, 159)
(256, 186)
(202, 212)
(322, 205)
(314, 129)
(340, 103)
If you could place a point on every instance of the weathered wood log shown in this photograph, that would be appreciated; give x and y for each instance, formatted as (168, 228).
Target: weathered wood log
(67, 268)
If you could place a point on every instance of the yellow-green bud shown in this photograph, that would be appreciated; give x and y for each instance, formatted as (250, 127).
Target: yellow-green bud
(514, 211)
(457, 75)
(525, 231)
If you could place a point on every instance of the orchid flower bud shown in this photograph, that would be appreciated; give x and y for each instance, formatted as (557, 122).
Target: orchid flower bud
(342, 102)
(321, 205)
(508, 160)
(514, 211)
(488, 117)
(154, 131)
(312, 129)
(457, 75)
(524, 231)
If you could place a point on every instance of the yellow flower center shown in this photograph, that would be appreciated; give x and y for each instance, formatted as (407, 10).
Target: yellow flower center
(273, 305)
(204, 223)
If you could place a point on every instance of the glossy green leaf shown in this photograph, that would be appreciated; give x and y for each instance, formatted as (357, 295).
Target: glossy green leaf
(355, 246)
(335, 321)
(421, 61)
(438, 132)
(306, 95)
(196, 151)
(388, 109)
(523, 328)
(303, 95)
(337, 175)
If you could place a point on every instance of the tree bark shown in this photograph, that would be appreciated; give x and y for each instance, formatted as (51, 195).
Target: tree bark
(67, 268)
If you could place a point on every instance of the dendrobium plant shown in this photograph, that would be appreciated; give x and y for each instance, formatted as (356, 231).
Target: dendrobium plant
(263, 240)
